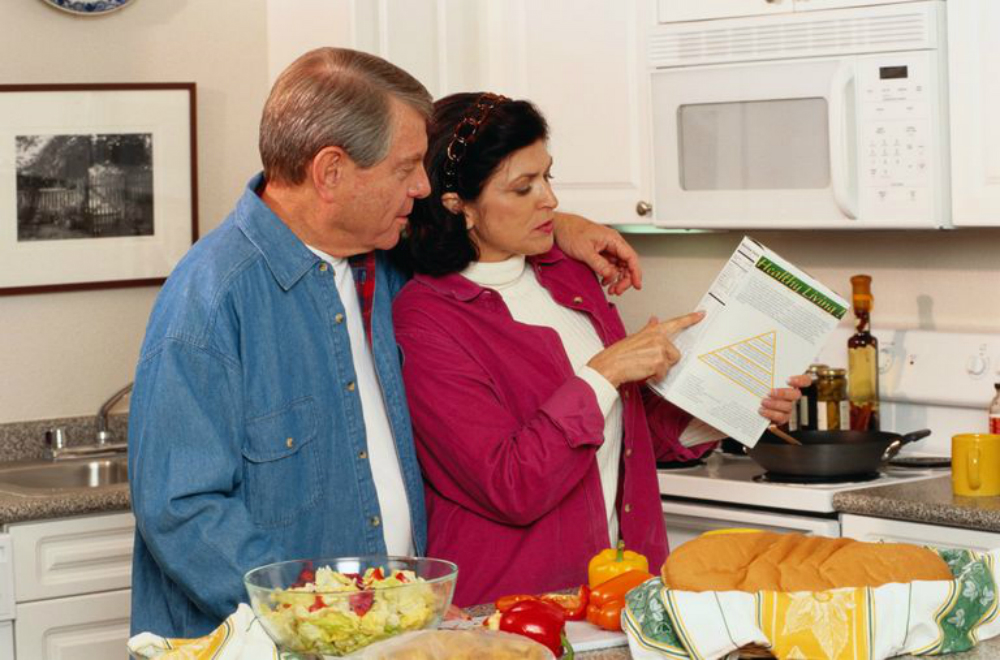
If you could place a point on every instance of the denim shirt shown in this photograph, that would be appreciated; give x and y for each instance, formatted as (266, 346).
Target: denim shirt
(246, 437)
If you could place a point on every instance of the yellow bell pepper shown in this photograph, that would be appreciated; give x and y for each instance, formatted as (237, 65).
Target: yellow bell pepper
(614, 561)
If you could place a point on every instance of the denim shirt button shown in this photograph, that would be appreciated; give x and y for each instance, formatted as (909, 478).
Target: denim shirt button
(323, 266)
(362, 454)
(375, 521)
(351, 386)
(290, 442)
(339, 318)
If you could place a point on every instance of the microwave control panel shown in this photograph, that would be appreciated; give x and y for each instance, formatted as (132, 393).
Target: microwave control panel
(897, 112)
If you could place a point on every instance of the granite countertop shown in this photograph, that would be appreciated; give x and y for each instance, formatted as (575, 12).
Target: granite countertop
(17, 507)
(929, 501)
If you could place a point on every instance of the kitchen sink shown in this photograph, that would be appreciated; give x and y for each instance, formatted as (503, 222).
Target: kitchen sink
(35, 477)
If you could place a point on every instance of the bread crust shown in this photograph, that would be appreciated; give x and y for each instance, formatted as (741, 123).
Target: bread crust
(768, 561)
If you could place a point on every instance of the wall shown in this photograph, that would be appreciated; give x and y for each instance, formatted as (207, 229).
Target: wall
(933, 280)
(63, 354)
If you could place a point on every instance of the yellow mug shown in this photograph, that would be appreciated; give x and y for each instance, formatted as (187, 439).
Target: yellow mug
(975, 464)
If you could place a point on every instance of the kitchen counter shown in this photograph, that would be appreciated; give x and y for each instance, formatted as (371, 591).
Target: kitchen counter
(930, 501)
(15, 507)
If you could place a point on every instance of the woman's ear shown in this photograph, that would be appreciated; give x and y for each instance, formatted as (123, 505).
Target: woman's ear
(454, 204)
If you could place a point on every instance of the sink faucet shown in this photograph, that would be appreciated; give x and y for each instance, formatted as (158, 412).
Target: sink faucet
(104, 444)
(104, 436)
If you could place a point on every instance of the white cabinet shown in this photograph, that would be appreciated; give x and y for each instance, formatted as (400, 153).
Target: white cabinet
(74, 628)
(72, 580)
(864, 528)
(580, 63)
(586, 76)
(974, 69)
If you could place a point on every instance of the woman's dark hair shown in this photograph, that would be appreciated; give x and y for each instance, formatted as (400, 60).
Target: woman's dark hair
(438, 242)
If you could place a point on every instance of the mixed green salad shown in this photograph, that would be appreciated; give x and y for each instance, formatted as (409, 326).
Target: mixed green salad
(335, 613)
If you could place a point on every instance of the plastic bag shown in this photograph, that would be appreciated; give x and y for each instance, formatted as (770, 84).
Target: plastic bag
(455, 645)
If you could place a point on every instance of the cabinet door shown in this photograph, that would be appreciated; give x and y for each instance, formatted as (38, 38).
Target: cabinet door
(76, 628)
(54, 558)
(685, 521)
(974, 69)
(583, 65)
(864, 528)
(670, 11)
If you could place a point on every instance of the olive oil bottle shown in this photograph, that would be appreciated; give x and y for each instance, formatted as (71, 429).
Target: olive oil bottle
(862, 360)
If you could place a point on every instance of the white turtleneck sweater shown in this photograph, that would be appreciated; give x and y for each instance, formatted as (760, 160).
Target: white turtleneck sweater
(530, 303)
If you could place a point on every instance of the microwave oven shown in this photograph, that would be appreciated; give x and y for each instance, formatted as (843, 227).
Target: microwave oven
(830, 119)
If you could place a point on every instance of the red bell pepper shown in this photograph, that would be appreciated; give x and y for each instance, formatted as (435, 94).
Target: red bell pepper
(574, 605)
(543, 622)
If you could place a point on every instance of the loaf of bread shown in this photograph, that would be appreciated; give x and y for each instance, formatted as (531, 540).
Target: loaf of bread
(767, 561)
(456, 645)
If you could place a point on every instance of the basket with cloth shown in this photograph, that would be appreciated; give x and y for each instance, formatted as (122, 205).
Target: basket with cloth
(789, 596)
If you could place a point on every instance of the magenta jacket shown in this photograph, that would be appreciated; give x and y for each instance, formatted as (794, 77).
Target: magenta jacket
(506, 436)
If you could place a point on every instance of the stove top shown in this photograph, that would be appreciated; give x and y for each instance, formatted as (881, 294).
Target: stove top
(728, 479)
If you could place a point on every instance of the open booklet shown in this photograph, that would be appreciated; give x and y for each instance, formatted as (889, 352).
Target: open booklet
(765, 321)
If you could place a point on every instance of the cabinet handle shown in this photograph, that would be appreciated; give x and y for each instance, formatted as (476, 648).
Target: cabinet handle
(643, 208)
(772, 2)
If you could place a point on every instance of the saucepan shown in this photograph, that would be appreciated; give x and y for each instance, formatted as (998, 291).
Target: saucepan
(830, 454)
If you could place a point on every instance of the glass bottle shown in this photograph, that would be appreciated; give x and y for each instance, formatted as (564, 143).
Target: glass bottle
(862, 360)
(995, 411)
(805, 408)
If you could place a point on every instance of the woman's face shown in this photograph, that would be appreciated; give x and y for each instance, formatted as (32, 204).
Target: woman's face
(514, 213)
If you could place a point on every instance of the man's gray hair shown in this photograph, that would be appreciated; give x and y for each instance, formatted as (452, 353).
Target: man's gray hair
(333, 97)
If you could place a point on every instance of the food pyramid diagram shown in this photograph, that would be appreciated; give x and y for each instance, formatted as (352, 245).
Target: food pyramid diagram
(748, 363)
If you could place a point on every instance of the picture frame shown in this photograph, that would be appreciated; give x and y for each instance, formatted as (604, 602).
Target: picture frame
(98, 184)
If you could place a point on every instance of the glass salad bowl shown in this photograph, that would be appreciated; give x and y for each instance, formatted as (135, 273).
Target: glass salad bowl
(332, 607)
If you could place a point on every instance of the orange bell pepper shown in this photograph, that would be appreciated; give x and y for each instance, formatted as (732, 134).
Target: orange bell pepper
(614, 561)
(617, 587)
(607, 600)
(608, 617)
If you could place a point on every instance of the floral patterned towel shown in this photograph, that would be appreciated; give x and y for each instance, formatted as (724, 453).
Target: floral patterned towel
(920, 618)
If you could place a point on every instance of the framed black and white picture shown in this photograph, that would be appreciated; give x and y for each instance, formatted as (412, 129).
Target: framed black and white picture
(98, 184)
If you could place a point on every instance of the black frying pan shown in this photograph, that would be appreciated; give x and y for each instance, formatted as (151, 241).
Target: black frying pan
(830, 453)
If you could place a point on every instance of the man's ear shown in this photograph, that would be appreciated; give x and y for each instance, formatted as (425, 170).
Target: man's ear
(328, 169)
(454, 204)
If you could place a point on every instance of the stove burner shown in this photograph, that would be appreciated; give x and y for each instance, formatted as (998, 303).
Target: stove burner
(775, 478)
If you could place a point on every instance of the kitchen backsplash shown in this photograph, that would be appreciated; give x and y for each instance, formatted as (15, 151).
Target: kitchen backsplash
(21, 441)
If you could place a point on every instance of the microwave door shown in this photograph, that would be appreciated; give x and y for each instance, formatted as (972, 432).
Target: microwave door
(764, 144)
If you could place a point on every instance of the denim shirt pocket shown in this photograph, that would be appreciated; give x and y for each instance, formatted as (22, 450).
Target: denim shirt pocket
(281, 464)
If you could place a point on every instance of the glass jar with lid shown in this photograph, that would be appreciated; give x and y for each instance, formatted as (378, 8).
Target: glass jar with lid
(832, 408)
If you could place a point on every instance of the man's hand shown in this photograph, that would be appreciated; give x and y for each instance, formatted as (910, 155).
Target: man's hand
(602, 248)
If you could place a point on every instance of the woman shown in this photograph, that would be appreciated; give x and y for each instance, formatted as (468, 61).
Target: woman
(536, 435)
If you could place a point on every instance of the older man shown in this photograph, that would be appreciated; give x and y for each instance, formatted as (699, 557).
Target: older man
(268, 420)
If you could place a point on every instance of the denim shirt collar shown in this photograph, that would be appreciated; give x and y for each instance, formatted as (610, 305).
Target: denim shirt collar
(463, 289)
(286, 256)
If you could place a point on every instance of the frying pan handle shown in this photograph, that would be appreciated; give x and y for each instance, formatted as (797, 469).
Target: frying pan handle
(898, 443)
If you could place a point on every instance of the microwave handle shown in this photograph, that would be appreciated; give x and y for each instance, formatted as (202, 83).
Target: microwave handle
(840, 161)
